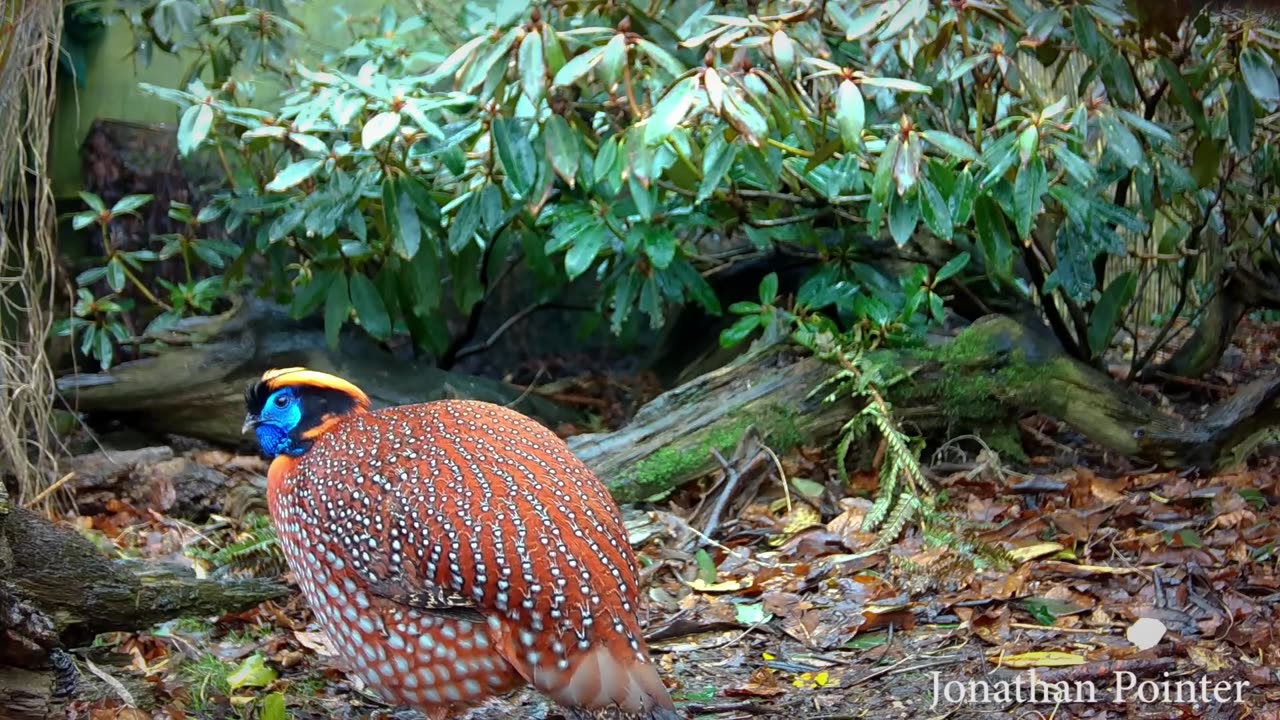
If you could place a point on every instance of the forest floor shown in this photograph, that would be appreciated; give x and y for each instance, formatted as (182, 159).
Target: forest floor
(776, 615)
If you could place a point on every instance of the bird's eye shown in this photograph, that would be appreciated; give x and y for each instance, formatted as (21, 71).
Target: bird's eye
(281, 401)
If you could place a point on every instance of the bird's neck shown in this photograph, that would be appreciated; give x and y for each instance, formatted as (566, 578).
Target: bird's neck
(277, 475)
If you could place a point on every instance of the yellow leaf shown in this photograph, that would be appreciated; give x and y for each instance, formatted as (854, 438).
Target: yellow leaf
(768, 656)
(822, 678)
(1105, 570)
(1031, 552)
(801, 517)
(1041, 659)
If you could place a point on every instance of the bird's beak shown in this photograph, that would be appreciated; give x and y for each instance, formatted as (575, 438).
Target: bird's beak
(250, 422)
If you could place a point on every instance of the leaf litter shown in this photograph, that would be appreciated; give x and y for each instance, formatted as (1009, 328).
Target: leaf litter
(760, 601)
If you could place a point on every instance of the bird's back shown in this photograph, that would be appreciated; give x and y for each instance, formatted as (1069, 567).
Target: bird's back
(457, 507)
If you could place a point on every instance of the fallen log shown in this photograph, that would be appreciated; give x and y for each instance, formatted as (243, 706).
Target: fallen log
(195, 386)
(978, 382)
(57, 590)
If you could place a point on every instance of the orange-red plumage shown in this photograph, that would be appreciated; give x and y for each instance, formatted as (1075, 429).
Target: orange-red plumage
(456, 550)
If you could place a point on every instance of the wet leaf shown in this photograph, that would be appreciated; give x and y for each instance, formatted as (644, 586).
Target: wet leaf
(563, 149)
(851, 115)
(670, 111)
(379, 128)
(1260, 77)
(533, 68)
(253, 672)
(294, 174)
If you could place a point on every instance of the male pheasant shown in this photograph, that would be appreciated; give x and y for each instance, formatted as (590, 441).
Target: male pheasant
(454, 550)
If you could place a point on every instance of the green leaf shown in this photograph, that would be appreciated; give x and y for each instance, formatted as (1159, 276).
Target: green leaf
(563, 149)
(116, 274)
(746, 119)
(93, 201)
(851, 114)
(769, 289)
(273, 707)
(1145, 126)
(717, 158)
(898, 84)
(91, 276)
(194, 126)
(953, 266)
(1206, 159)
(752, 614)
(580, 65)
(784, 52)
(337, 306)
(369, 307)
(856, 26)
(465, 224)
(105, 350)
(1182, 92)
(583, 251)
(409, 226)
(516, 153)
(1028, 143)
(740, 330)
(934, 210)
(378, 128)
(533, 67)
(294, 174)
(1110, 308)
(308, 297)
(883, 178)
(660, 246)
(1077, 167)
(130, 203)
(1241, 117)
(904, 216)
(1121, 140)
(962, 197)
(664, 59)
(670, 111)
(1260, 77)
(706, 566)
(1030, 186)
(253, 672)
(950, 144)
(993, 237)
(615, 56)
(310, 144)
(606, 159)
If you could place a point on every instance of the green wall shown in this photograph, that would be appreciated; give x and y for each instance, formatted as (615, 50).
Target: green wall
(111, 91)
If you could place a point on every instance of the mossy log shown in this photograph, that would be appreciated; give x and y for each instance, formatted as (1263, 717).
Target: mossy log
(669, 441)
(195, 387)
(991, 373)
(1004, 365)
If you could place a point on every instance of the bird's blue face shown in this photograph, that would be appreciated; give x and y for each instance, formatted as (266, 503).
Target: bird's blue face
(289, 409)
(275, 425)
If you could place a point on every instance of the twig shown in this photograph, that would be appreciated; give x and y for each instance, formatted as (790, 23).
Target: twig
(894, 669)
(493, 338)
(51, 489)
(732, 477)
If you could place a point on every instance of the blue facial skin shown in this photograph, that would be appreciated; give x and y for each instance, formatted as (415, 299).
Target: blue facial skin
(280, 415)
